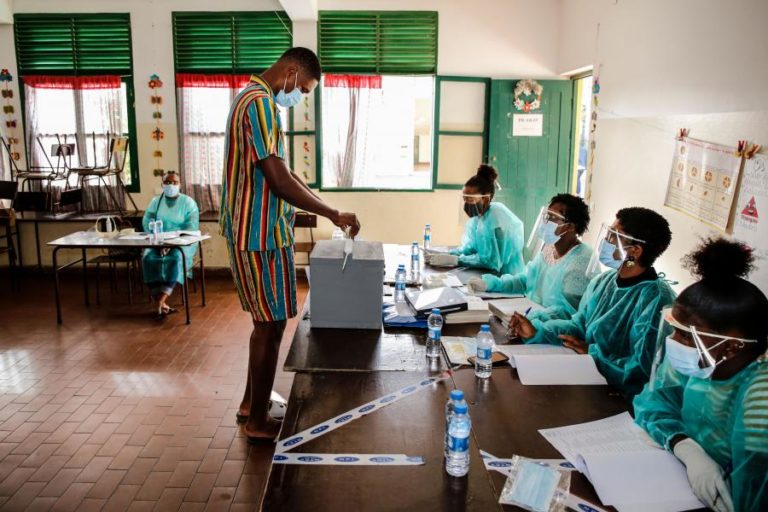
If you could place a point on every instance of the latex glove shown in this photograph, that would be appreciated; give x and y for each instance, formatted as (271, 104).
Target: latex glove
(705, 475)
(444, 260)
(476, 285)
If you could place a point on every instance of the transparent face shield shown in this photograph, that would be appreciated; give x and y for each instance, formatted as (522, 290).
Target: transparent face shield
(545, 230)
(473, 205)
(691, 351)
(611, 250)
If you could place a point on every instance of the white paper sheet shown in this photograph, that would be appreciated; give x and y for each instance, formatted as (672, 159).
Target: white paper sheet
(513, 351)
(553, 369)
(459, 348)
(505, 308)
(649, 476)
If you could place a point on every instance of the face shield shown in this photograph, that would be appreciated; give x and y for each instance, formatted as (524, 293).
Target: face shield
(690, 351)
(473, 205)
(611, 250)
(545, 230)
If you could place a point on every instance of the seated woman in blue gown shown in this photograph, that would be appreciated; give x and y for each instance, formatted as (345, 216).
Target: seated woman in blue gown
(163, 267)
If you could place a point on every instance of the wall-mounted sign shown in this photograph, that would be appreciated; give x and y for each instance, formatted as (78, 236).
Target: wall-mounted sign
(527, 125)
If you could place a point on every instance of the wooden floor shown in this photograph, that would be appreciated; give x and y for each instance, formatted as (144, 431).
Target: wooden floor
(115, 410)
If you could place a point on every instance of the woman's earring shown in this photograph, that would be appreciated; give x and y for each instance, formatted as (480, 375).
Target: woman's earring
(630, 261)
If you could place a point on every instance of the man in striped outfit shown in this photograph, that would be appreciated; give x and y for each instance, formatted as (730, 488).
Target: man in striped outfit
(259, 193)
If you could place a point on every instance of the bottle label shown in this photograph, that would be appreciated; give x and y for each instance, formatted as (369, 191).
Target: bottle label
(458, 444)
(434, 333)
(400, 286)
(484, 353)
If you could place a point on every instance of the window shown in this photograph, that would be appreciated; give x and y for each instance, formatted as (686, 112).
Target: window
(77, 75)
(215, 53)
(583, 129)
(377, 131)
(377, 99)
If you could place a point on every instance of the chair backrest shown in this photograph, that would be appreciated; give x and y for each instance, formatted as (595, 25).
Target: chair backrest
(8, 189)
(63, 153)
(13, 165)
(118, 152)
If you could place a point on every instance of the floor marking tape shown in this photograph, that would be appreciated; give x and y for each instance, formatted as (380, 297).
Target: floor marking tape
(348, 459)
(358, 412)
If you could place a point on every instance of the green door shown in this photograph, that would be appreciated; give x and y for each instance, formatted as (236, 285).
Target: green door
(531, 168)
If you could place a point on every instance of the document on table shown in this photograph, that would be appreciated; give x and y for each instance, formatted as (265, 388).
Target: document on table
(628, 470)
(554, 369)
(459, 348)
(137, 236)
(513, 351)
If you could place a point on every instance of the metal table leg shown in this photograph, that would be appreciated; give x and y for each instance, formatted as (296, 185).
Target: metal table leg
(202, 272)
(85, 279)
(56, 284)
(185, 284)
(37, 247)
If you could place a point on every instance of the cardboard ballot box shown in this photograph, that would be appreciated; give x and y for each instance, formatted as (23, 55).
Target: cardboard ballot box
(348, 299)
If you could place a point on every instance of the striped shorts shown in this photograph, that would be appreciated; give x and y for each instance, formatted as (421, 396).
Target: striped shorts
(265, 282)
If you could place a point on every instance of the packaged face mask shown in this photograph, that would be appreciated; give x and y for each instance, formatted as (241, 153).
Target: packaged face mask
(535, 487)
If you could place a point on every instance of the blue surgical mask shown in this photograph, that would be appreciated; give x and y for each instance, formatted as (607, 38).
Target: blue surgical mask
(607, 250)
(290, 99)
(686, 359)
(547, 233)
(170, 190)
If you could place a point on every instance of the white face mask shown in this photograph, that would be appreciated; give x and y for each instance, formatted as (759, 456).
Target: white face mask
(170, 190)
(686, 359)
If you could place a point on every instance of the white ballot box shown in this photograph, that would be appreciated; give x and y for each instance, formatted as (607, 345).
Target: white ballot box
(346, 296)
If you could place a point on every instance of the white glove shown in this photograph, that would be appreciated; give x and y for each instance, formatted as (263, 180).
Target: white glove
(476, 285)
(443, 260)
(705, 476)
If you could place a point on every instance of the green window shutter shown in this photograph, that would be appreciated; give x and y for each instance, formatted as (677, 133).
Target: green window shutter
(229, 42)
(80, 44)
(393, 42)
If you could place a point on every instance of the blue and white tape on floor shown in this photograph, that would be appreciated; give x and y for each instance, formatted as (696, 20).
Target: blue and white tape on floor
(332, 424)
(347, 459)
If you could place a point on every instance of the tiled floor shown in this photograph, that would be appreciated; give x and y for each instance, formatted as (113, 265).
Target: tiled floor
(114, 410)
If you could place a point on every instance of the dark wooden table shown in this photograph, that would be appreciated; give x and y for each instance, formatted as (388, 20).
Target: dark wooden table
(413, 426)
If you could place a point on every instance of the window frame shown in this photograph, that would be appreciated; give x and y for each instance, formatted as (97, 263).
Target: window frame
(127, 79)
(439, 79)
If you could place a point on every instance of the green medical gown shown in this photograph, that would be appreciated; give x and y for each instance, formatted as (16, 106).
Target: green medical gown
(493, 240)
(176, 214)
(557, 286)
(619, 326)
(728, 418)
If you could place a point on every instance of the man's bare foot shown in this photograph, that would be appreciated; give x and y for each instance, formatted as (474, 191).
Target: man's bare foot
(267, 431)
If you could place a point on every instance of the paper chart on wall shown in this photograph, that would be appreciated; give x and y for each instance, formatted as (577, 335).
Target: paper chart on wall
(750, 221)
(703, 181)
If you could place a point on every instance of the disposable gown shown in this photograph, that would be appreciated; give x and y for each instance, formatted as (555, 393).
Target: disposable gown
(619, 325)
(558, 286)
(493, 240)
(728, 418)
(181, 213)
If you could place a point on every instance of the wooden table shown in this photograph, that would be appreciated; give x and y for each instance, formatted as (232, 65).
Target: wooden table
(84, 240)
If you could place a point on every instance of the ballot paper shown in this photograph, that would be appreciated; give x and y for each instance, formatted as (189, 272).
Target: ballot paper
(504, 309)
(627, 469)
(513, 351)
(553, 369)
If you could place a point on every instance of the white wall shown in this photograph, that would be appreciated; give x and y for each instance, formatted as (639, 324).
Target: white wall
(483, 38)
(664, 65)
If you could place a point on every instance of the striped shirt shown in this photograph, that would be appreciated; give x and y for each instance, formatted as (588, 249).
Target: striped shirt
(252, 217)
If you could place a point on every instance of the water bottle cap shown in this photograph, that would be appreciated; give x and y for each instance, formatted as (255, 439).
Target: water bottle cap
(401, 267)
(460, 408)
(415, 243)
(485, 328)
(428, 225)
(457, 394)
(435, 311)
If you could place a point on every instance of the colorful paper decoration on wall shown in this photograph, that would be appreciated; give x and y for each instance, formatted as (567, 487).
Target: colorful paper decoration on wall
(528, 95)
(157, 134)
(11, 123)
(306, 149)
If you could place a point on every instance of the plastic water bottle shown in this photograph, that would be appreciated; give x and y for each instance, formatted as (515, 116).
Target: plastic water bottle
(415, 266)
(434, 326)
(400, 284)
(151, 228)
(427, 237)
(483, 363)
(157, 229)
(457, 460)
(456, 397)
(337, 234)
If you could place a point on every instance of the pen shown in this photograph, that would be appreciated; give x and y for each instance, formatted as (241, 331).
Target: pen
(528, 311)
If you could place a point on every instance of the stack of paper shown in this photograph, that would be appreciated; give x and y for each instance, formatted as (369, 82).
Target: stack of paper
(512, 351)
(558, 370)
(629, 471)
(503, 309)
(477, 312)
